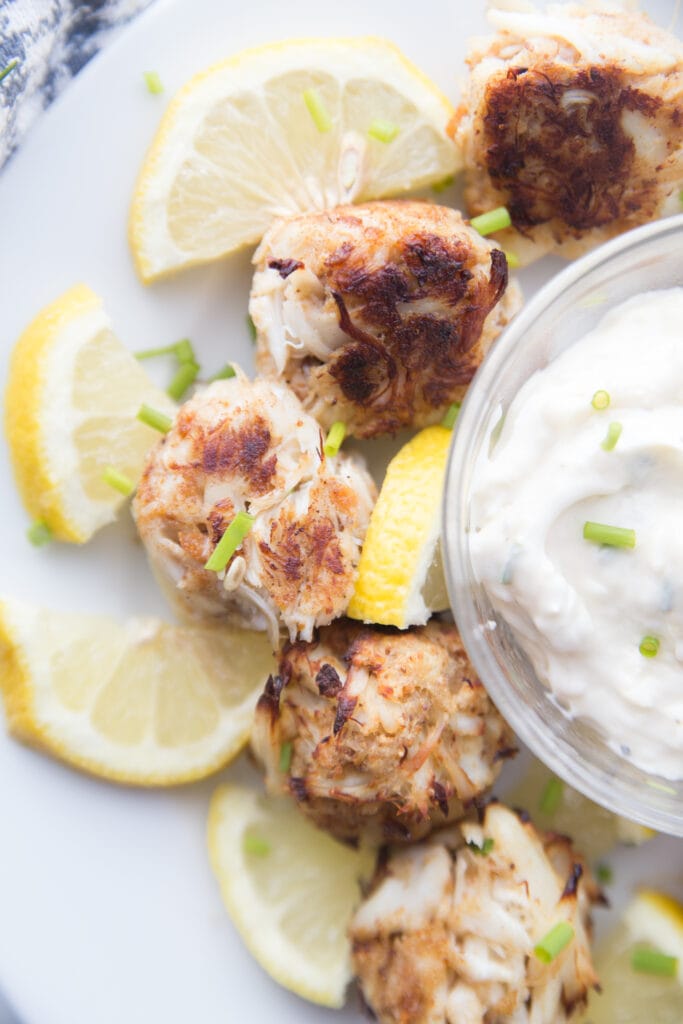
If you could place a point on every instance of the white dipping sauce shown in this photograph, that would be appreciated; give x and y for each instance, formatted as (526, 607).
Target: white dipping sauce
(580, 610)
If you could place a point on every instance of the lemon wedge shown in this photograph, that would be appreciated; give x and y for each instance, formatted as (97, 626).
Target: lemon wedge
(282, 129)
(400, 578)
(289, 888)
(140, 702)
(652, 921)
(72, 397)
(557, 807)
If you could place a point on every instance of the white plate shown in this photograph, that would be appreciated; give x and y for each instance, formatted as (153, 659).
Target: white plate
(108, 909)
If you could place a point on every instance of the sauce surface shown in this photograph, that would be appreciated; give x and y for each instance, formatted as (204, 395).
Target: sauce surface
(581, 610)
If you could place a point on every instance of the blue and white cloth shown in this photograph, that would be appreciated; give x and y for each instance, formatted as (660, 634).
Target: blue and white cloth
(51, 40)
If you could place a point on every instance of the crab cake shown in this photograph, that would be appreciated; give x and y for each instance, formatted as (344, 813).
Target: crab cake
(249, 446)
(573, 119)
(378, 733)
(447, 933)
(379, 314)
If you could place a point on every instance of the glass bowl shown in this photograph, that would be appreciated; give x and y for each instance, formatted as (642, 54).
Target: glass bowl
(565, 309)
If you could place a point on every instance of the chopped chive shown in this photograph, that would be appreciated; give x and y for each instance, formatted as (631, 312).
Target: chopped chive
(680, 194)
(155, 419)
(225, 373)
(651, 961)
(285, 756)
(184, 352)
(512, 259)
(230, 541)
(614, 536)
(251, 327)
(39, 534)
(317, 110)
(441, 186)
(612, 436)
(600, 400)
(152, 353)
(185, 375)
(552, 944)
(119, 481)
(153, 82)
(604, 873)
(6, 71)
(494, 220)
(382, 130)
(649, 646)
(451, 416)
(551, 797)
(335, 438)
(254, 844)
(483, 850)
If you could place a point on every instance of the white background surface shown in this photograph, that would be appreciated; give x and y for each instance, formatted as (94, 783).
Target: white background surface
(108, 909)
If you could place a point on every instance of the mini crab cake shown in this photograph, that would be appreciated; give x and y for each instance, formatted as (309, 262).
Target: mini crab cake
(377, 733)
(243, 446)
(573, 119)
(379, 314)
(448, 931)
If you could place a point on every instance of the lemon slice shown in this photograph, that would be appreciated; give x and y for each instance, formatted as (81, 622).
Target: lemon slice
(289, 888)
(283, 129)
(651, 921)
(557, 807)
(400, 580)
(72, 397)
(140, 702)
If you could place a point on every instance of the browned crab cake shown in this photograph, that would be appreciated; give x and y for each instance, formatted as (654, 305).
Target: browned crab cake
(379, 314)
(447, 933)
(378, 733)
(249, 446)
(573, 119)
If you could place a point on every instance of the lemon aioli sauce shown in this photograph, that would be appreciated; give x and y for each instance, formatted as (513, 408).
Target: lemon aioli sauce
(582, 610)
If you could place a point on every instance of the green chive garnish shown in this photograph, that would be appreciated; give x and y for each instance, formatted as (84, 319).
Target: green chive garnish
(649, 646)
(614, 536)
(383, 131)
(551, 797)
(600, 400)
(552, 944)
(512, 259)
(612, 436)
(225, 373)
(317, 110)
(451, 416)
(254, 844)
(494, 220)
(335, 438)
(185, 375)
(604, 874)
(119, 481)
(6, 71)
(153, 82)
(483, 850)
(155, 419)
(651, 961)
(441, 186)
(285, 756)
(39, 534)
(251, 327)
(184, 352)
(230, 541)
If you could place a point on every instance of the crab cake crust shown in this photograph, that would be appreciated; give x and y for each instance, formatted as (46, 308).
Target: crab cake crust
(379, 314)
(447, 932)
(573, 119)
(243, 446)
(391, 732)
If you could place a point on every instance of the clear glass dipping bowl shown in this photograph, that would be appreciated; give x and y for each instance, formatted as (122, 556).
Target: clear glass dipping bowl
(564, 310)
